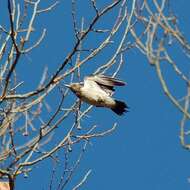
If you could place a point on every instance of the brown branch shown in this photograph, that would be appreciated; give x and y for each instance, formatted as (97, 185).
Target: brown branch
(55, 79)
(7, 79)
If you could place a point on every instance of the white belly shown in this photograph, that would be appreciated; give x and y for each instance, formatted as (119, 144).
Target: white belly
(95, 98)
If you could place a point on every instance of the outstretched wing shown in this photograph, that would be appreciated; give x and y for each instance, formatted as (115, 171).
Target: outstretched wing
(106, 83)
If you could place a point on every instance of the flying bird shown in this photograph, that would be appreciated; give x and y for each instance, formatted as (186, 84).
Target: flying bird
(97, 90)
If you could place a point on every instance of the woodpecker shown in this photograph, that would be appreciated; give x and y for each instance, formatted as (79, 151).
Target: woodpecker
(97, 90)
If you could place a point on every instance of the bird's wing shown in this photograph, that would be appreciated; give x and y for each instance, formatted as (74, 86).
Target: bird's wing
(108, 89)
(107, 81)
(90, 83)
(104, 82)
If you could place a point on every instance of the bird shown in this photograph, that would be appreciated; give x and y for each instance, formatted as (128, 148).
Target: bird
(97, 90)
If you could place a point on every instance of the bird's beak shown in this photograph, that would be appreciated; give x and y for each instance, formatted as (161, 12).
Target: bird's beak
(67, 85)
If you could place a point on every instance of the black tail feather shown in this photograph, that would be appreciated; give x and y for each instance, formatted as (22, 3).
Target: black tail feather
(120, 107)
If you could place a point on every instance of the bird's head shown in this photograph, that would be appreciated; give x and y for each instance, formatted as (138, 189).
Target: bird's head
(75, 87)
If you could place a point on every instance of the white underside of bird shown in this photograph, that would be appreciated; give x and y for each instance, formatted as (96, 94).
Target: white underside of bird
(101, 99)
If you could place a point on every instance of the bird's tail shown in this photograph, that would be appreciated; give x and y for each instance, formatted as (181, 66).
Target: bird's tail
(120, 107)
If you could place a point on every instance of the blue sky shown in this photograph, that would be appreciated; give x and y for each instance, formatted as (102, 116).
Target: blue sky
(144, 151)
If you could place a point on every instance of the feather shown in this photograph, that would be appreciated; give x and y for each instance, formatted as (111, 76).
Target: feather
(106, 80)
(106, 83)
